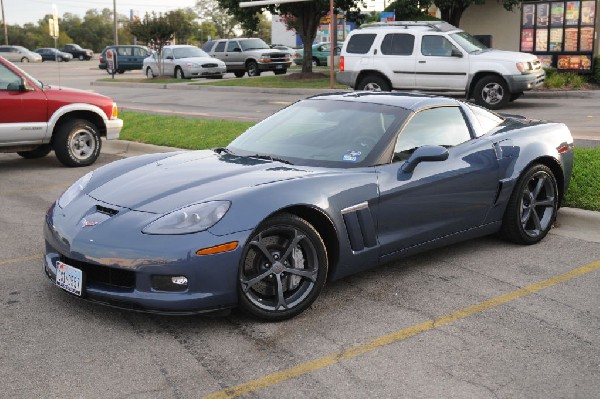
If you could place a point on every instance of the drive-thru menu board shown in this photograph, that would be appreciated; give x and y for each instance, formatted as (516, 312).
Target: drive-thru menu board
(560, 33)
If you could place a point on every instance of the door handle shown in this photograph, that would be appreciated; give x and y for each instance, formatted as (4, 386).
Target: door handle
(422, 62)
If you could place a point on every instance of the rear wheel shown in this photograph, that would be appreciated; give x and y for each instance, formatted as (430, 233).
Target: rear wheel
(491, 92)
(81, 58)
(39, 152)
(252, 69)
(77, 143)
(179, 73)
(532, 207)
(283, 269)
(373, 83)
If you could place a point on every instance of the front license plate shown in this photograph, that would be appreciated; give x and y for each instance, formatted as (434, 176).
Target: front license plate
(279, 67)
(69, 278)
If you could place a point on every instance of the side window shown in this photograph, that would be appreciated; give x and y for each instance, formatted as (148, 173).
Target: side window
(232, 45)
(207, 46)
(4, 49)
(487, 120)
(360, 43)
(124, 51)
(8, 79)
(437, 46)
(167, 53)
(139, 52)
(220, 47)
(443, 126)
(398, 44)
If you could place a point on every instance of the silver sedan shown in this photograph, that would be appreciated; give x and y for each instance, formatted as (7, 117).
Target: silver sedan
(183, 62)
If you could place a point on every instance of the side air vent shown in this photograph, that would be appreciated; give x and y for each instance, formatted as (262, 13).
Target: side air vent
(360, 226)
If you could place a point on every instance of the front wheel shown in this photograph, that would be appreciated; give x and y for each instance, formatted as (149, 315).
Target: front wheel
(77, 143)
(149, 73)
(39, 152)
(179, 73)
(491, 92)
(373, 83)
(283, 268)
(239, 74)
(252, 69)
(532, 207)
(24, 59)
(81, 58)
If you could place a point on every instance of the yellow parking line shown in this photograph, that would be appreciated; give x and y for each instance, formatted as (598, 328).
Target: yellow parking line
(280, 102)
(18, 260)
(308, 367)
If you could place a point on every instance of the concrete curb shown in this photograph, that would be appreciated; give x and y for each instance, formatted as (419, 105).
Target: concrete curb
(575, 223)
(243, 89)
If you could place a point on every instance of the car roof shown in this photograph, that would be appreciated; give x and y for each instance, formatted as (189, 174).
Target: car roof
(428, 26)
(410, 101)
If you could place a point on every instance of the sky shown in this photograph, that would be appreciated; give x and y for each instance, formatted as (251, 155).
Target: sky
(23, 11)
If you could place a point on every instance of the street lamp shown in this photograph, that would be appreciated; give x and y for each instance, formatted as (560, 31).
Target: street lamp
(4, 23)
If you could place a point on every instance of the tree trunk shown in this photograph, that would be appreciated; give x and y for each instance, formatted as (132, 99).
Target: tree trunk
(453, 13)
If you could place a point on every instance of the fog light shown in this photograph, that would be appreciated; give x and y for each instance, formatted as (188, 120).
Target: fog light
(170, 283)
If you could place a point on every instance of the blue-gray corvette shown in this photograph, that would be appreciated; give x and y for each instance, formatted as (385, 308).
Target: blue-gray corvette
(329, 186)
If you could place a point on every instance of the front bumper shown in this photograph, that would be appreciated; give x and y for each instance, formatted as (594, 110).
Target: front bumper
(113, 128)
(521, 83)
(273, 66)
(200, 72)
(120, 264)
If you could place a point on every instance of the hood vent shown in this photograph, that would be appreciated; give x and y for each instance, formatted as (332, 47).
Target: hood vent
(106, 211)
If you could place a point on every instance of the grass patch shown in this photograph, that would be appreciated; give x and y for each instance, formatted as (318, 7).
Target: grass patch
(279, 81)
(143, 80)
(199, 134)
(584, 191)
(175, 131)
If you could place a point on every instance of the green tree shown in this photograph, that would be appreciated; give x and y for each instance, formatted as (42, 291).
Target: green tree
(156, 31)
(409, 10)
(183, 23)
(224, 22)
(303, 17)
(263, 29)
(207, 29)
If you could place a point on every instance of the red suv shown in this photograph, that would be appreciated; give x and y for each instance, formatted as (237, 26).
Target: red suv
(36, 118)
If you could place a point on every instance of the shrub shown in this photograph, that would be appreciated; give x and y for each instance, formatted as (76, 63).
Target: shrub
(555, 81)
(572, 80)
(596, 71)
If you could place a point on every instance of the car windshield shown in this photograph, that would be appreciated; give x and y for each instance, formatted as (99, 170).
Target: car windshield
(468, 42)
(76, 46)
(253, 44)
(188, 52)
(323, 132)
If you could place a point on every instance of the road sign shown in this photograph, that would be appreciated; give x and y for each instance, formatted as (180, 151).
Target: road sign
(111, 61)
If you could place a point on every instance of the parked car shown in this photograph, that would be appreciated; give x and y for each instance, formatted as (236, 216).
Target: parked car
(248, 55)
(329, 186)
(53, 54)
(320, 53)
(129, 57)
(37, 119)
(184, 62)
(435, 56)
(77, 52)
(19, 54)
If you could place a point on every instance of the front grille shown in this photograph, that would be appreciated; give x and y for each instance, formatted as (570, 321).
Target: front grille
(103, 274)
(209, 65)
(278, 57)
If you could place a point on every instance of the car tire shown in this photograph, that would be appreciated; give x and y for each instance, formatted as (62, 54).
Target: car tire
(315, 62)
(491, 92)
(252, 69)
(532, 207)
(121, 71)
(179, 73)
(39, 152)
(239, 74)
(24, 59)
(81, 58)
(280, 71)
(373, 83)
(77, 143)
(515, 96)
(150, 73)
(283, 268)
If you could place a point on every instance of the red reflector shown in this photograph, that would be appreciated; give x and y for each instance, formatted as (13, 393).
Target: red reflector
(562, 149)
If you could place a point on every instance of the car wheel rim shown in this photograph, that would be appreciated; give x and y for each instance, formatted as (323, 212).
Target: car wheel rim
(280, 269)
(82, 144)
(372, 87)
(179, 74)
(251, 70)
(492, 93)
(538, 202)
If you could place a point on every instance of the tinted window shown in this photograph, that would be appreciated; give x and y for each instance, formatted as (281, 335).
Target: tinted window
(398, 44)
(232, 45)
(188, 52)
(443, 126)
(220, 47)
(4, 50)
(207, 46)
(8, 78)
(360, 43)
(167, 53)
(436, 46)
(124, 51)
(253, 44)
(140, 52)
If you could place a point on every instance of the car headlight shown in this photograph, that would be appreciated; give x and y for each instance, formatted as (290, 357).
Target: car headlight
(191, 219)
(192, 65)
(73, 191)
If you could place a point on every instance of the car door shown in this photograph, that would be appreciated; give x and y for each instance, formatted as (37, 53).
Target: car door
(437, 198)
(233, 54)
(24, 116)
(219, 51)
(397, 54)
(124, 58)
(441, 65)
(168, 62)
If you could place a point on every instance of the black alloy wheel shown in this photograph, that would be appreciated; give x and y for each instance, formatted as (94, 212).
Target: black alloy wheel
(283, 269)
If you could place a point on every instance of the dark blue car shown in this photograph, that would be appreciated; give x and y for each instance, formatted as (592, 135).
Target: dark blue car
(329, 186)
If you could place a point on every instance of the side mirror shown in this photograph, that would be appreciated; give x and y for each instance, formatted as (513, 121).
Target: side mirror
(426, 153)
(19, 85)
(169, 57)
(456, 53)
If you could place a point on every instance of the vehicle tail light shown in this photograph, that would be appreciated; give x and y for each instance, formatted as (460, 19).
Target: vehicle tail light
(101, 59)
(341, 63)
(115, 111)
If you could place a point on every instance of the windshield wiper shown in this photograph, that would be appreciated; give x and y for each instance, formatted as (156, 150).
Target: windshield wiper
(220, 150)
(270, 158)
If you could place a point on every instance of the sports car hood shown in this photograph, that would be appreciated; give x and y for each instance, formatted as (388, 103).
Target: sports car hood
(190, 177)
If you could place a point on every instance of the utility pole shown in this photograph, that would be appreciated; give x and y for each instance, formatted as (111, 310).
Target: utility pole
(4, 23)
(115, 21)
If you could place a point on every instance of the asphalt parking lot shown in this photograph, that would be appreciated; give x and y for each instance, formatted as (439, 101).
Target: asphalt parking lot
(482, 319)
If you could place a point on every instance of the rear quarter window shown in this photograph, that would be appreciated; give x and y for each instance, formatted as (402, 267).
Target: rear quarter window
(360, 43)
(220, 47)
(398, 44)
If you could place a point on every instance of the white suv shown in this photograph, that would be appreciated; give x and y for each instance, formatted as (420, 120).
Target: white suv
(435, 56)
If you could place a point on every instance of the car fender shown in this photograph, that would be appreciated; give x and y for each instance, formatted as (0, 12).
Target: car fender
(75, 107)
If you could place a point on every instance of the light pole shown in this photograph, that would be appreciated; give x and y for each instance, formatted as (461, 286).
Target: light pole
(4, 23)
(115, 21)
